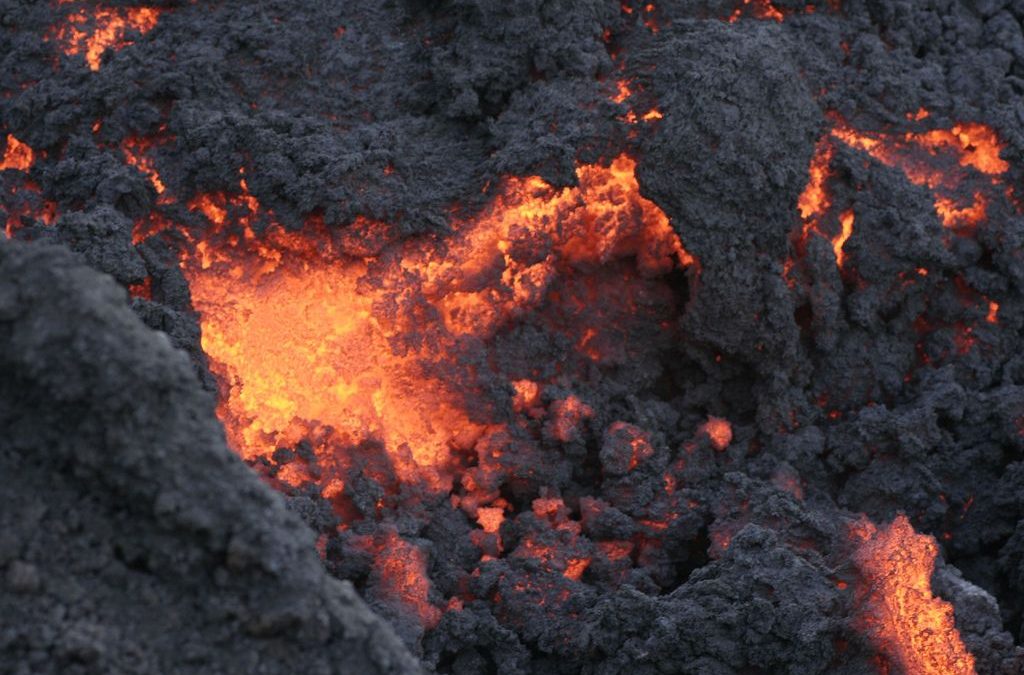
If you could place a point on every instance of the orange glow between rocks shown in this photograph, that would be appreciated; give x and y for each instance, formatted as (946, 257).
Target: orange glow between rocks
(941, 160)
(897, 611)
(758, 9)
(309, 344)
(814, 200)
(135, 153)
(400, 575)
(622, 91)
(719, 431)
(17, 155)
(936, 159)
(993, 312)
(95, 31)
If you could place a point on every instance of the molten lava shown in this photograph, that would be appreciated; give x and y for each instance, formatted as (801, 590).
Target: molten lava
(135, 153)
(941, 160)
(310, 345)
(758, 9)
(93, 32)
(17, 156)
(718, 431)
(911, 627)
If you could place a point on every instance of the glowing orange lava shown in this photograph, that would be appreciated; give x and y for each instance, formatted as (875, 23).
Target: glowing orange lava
(993, 312)
(400, 576)
(943, 160)
(18, 156)
(135, 153)
(758, 9)
(96, 31)
(307, 344)
(936, 159)
(719, 431)
(815, 201)
(846, 222)
(912, 628)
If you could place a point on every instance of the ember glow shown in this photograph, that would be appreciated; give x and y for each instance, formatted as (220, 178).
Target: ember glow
(92, 32)
(306, 344)
(911, 627)
(136, 153)
(942, 160)
(576, 335)
(719, 431)
(17, 155)
(757, 9)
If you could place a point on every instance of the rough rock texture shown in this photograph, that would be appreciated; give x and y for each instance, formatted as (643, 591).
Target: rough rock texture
(880, 386)
(131, 539)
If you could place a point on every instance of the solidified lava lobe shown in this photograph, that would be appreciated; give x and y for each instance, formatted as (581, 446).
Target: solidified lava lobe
(308, 344)
(897, 611)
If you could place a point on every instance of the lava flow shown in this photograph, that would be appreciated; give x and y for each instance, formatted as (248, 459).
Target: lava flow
(309, 344)
(911, 627)
(949, 162)
(943, 160)
(539, 337)
(93, 31)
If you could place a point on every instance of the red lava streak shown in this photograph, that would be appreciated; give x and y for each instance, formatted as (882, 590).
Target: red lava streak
(911, 627)
(758, 9)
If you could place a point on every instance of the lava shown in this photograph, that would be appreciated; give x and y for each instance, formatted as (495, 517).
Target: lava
(758, 9)
(308, 344)
(17, 155)
(815, 201)
(846, 223)
(400, 576)
(136, 154)
(94, 32)
(911, 627)
(943, 160)
(719, 431)
(767, 10)
(940, 159)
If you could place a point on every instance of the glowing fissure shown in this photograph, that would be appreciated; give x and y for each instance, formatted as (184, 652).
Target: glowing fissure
(24, 198)
(940, 159)
(896, 609)
(937, 159)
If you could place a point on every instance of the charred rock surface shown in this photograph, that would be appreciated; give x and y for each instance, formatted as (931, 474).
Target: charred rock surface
(132, 539)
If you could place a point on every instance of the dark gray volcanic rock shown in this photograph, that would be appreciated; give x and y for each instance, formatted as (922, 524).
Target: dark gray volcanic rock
(131, 539)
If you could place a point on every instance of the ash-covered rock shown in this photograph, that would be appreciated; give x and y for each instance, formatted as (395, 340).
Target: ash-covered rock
(132, 539)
